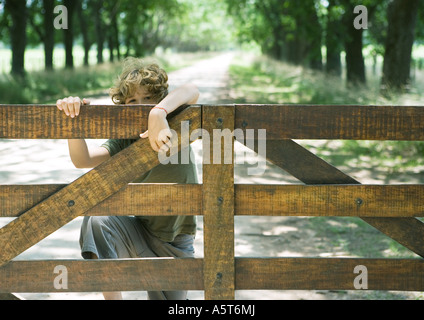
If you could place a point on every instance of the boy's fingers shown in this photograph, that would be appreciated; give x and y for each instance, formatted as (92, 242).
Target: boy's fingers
(59, 104)
(168, 144)
(144, 135)
(65, 106)
(66, 109)
(76, 107)
(155, 146)
(86, 101)
(164, 148)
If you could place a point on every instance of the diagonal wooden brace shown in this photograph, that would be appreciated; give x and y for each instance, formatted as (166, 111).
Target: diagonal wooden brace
(85, 192)
(310, 169)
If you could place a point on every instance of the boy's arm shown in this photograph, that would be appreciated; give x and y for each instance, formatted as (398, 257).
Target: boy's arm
(82, 156)
(159, 133)
(186, 94)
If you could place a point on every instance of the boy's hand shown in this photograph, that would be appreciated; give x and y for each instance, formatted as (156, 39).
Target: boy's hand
(159, 133)
(71, 106)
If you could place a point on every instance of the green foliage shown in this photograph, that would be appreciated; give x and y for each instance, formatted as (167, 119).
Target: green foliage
(204, 26)
(44, 86)
(266, 81)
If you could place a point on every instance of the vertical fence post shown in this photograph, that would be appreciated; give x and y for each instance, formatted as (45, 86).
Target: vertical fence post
(218, 202)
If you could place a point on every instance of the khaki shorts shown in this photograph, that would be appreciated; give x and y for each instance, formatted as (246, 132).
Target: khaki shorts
(126, 237)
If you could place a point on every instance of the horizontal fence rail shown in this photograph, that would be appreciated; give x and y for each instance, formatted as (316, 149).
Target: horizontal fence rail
(351, 122)
(250, 200)
(107, 190)
(250, 274)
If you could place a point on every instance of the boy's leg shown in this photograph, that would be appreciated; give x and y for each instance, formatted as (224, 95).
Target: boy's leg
(125, 237)
(111, 238)
(182, 246)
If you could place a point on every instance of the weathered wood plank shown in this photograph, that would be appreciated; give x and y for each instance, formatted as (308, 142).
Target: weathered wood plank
(94, 122)
(218, 207)
(102, 275)
(311, 169)
(330, 200)
(256, 200)
(329, 274)
(84, 193)
(333, 121)
(187, 274)
(134, 199)
(286, 122)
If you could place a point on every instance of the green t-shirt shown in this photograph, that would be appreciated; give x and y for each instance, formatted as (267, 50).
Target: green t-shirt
(165, 228)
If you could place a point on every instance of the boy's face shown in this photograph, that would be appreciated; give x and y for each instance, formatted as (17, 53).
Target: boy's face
(141, 96)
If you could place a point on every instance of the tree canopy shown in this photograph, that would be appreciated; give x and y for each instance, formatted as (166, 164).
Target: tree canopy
(311, 33)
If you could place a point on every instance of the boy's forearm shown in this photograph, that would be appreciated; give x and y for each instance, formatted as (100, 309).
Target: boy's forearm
(78, 151)
(83, 157)
(186, 94)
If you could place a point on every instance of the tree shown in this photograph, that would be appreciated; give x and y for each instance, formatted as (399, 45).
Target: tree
(48, 6)
(355, 64)
(71, 6)
(279, 27)
(353, 45)
(99, 26)
(402, 17)
(41, 18)
(84, 12)
(333, 39)
(18, 11)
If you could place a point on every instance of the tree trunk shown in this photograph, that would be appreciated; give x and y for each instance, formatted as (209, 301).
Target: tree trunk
(18, 12)
(332, 42)
(85, 34)
(115, 29)
(402, 16)
(314, 35)
(99, 30)
(48, 33)
(71, 5)
(355, 64)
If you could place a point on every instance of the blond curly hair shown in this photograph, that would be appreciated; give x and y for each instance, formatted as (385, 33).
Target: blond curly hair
(138, 72)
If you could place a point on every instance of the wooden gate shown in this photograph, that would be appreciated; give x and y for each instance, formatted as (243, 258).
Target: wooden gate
(43, 209)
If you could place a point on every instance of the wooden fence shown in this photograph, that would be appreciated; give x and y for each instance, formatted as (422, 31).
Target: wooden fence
(106, 190)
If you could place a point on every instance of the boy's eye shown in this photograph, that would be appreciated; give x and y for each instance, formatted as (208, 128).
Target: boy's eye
(132, 101)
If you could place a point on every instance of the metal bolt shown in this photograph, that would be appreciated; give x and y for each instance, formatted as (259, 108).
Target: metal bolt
(219, 121)
(219, 276)
(71, 203)
(244, 124)
(359, 201)
(220, 200)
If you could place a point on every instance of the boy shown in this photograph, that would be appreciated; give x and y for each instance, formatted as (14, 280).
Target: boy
(141, 236)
